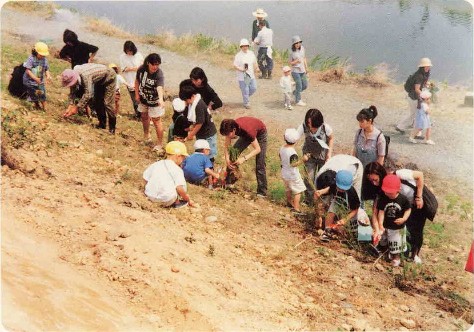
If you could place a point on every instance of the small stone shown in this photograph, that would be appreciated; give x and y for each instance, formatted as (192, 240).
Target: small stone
(211, 219)
(346, 327)
(341, 296)
(339, 282)
(408, 323)
(124, 235)
(174, 269)
(99, 152)
(357, 279)
(404, 308)
(379, 267)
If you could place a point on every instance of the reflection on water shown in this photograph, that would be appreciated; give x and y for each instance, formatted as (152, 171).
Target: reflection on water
(456, 17)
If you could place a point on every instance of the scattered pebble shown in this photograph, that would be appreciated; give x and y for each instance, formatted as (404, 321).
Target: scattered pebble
(174, 269)
(379, 267)
(211, 219)
(404, 308)
(346, 327)
(408, 323)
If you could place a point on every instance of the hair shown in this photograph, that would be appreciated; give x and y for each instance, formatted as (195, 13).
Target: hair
(70, 37)
(130, 46)
(152, 58)
(262, 23)
(368, 114)
(375, 168)
(289, 143)
(293, 47)
(326, 179)
(227, 126)
(316, 117)
(197, 73)
(186, 91)
(34, 52)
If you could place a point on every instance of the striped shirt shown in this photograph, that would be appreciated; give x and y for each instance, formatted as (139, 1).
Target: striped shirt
(90, 74)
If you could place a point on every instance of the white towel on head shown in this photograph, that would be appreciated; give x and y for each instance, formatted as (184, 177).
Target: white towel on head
(192, 108)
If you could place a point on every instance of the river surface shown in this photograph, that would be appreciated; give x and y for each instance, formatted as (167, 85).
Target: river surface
(366, 33)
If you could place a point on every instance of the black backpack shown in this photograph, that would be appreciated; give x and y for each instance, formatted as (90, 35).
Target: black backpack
(410, 83)
(15, 86)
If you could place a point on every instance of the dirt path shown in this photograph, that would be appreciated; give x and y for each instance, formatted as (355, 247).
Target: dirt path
(99, 256)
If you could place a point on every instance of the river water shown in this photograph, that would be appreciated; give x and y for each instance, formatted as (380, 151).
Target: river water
(366, 33)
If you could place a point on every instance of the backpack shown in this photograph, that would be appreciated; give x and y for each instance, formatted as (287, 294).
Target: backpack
(410, 83)
(387, 141)
(15, 86)
(430, 203)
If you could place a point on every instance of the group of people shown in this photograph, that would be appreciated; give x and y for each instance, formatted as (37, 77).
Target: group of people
(343, 182)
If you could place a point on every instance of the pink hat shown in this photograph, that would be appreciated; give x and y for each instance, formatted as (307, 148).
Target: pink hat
(69, 77)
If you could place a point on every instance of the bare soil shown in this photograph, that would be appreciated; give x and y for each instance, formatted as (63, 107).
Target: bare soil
(83, 249)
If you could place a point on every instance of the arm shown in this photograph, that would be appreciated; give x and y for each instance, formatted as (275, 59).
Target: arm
(182, 193)
(216, 102)
(256, 150)
(419, 178)
(193, 132)
(212, 173)
(159, 88)
(375, 219)
(402, 220)
(380, 159)
(137, 95)
(351, 215)
(321, 192)
(33, 76)
(330, 144)
(226, 151)
(381, 218)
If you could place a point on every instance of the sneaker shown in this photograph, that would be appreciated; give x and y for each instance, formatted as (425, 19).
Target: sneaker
(417, 259)
(430, 142)
(399, 130)
(289, 107)
(247, 106)
(412, 140)
(301, 103)
(325, 237)
(179, 204)
(395, 262)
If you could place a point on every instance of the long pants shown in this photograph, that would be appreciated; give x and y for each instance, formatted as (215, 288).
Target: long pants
(134, 102)
(415, 226)
(260, 164)
(301, 83)
(265, 63)
(408, 121)
(248, 90)
(104, 98)
(312, 166)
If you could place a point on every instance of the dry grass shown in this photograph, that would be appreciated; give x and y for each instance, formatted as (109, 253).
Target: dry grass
(44, 9)
(104, 26)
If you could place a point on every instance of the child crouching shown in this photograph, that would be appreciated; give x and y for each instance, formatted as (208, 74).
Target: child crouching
(198, 167)
(164, 179)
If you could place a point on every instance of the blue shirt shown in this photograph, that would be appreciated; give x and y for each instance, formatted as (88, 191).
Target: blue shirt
(38, 67)
(194, 167)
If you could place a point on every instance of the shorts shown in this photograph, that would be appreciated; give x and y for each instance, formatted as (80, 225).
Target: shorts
(163, 203)
(396, 239)
(153, 111)
(295, 186)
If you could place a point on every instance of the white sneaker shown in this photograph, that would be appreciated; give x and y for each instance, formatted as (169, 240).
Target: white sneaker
(247, 106)
(395, 262)
(301, 103)
(430, 142)
(289, 107)
(414, 141)
(417, 259)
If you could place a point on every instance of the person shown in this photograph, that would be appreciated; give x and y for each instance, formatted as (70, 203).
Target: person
(130, 60)
(177, 130)
(318, 142)
(250, 131)
(198, 167)
(343, 207)
(419, 81)
(264, 40)
(287, 85)
(299, 68)
(259, 15)
(119, 80)
(164, 180)
(76, 52)
(369, 142)
(35, 75)
(92, 80)
(423, 120)
(375, 173)
(394, 210)
(199, 80)
(245, 63)
(200, 119)
(149, 84)
(290, 173)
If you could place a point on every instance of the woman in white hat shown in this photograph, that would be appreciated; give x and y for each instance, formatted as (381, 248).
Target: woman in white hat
(245, 63)
(259, 15)
(299, 67)
(415, 83)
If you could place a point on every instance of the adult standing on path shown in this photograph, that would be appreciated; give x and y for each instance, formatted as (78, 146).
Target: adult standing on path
(209, 96)
(259, 15)
(130, 61)
(416, 83)
(245, 63)
(76, 52)
(264, 40)
(92, 80)
(299, 68)
(250, 131)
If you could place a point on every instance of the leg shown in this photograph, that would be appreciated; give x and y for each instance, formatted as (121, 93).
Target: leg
(145, 121)
(298, 86)
(252, 87)
(408, 120)
(134, 102)
(159, 130)
(260, 165)
(109, 101)
(244, 88)
(310, 167)
(296, 202)
(99, 105)
(269, 67)
(304, 82)
(415, 225)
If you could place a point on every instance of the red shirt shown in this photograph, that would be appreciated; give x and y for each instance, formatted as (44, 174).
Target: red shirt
(250, 127)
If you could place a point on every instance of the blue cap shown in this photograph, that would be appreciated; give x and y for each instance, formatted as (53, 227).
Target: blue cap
(344, 179)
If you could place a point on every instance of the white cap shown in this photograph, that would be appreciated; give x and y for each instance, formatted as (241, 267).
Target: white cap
(178, 105)
(291, 135)
(201, 144)
(286, 69)
(425, 94)
(244, 42)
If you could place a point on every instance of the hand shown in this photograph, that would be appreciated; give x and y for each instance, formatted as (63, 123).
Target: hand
(419, 203)
(191, 203)
(341, 222)
(71, 110)
(306, 156)
(240, 161)
(399, 221)
(317, 194)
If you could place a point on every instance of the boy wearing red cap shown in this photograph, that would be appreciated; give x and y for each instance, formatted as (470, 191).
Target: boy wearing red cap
(394, 210)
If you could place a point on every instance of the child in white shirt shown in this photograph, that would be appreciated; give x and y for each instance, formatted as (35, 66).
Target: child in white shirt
(422, 119)
(287, 85)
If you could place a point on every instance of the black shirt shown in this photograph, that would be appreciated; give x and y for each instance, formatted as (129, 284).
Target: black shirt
(348, 199)
(79, 53)
(393, 209)
(203, 117)
(209, 95)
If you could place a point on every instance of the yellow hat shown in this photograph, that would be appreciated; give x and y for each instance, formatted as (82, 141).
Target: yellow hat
(176, 148)
(41, 48)
(113, 65)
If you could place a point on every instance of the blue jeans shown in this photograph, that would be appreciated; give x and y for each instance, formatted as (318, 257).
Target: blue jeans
(248, 90)
(213, 145)
(301, 84)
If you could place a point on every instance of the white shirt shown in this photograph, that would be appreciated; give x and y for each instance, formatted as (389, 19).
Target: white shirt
(264, 37)
(130, 61)
(327, 128)
(242, 58)
(162, 179)
(286, 84)
(407, 191)
(118, 81)
(298, 54)
(288, 172)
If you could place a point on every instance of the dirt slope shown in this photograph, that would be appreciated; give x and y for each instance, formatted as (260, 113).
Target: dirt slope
(82, 249)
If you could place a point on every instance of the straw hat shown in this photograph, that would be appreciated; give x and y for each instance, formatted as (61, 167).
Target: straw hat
(425, 62)
(260, 13)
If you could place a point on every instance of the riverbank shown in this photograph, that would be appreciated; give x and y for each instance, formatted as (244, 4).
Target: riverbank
(74, 194)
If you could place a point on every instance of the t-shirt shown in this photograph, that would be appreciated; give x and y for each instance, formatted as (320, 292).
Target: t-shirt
(243, 58)
(311, 144)
(348, 199)
(203, 117)
(180, 122)
(298, 54)
(209, 95)
(250, 127)
(286, 84)
(194, 167)
(393, 209)
(264, 37)
(368, 148)
(405, 190)
(119, 80)
(162, 179)
(421, 77)
(288, 156)
(148, 84)
(79, 53)
(130, 61)
(38, 67)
